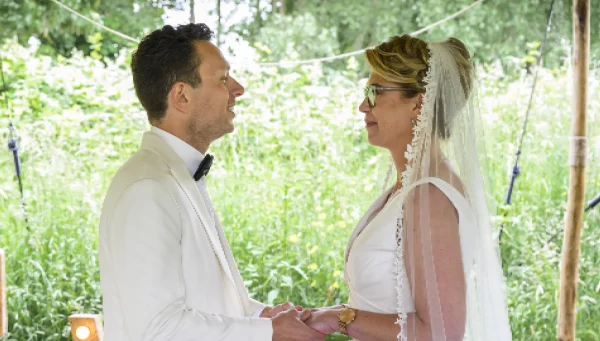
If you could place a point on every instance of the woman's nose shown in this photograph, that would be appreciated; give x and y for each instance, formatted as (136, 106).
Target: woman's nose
(364, 106)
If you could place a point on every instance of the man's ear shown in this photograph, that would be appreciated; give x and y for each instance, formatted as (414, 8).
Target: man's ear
(179, 97)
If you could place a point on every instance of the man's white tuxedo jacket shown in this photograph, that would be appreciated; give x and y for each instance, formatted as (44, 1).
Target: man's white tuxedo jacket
(166, 270)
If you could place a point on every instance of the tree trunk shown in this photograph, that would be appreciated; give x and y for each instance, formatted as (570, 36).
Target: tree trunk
(219, 26)
(192, 15)
(569, 275)
(258, 21)
(258, 17)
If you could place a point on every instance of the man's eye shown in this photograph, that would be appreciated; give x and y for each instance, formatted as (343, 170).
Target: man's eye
(224, 79)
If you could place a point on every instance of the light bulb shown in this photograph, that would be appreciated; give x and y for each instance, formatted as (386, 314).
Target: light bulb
(82, 332)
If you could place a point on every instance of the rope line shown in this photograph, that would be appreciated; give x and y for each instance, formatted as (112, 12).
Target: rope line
(283, 62)
(122, 35)
(353, 53)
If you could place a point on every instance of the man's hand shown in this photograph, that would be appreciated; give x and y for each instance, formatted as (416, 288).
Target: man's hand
(324, 320)
(289, 326)
(270, 312)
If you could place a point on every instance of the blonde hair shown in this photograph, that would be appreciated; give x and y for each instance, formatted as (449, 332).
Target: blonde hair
(404, 61)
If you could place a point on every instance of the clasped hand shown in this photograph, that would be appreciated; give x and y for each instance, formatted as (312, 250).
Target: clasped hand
(293, 323)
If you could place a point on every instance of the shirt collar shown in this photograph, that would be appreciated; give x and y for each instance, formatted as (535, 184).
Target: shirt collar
(190, 155)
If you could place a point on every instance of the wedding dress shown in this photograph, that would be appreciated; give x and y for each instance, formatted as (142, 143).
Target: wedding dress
(372, 249)
(370, 255)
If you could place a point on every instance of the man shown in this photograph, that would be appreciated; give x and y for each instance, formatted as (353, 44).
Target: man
(167, 272)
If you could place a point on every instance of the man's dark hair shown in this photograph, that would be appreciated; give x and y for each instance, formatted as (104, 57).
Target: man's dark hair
(164, 57)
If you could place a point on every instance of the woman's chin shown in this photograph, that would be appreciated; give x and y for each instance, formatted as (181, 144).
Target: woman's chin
(373, 140)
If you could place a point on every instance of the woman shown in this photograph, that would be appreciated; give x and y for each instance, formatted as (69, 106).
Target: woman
(422, 264)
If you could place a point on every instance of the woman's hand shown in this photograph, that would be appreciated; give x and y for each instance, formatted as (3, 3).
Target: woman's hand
(325, 320)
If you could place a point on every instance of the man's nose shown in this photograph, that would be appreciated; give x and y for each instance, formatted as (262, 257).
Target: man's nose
(237, 89)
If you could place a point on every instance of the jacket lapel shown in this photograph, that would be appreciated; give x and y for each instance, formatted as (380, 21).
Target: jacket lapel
(155, 143)
(237, 277)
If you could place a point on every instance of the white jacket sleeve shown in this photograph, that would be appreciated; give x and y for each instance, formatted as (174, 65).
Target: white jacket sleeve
(256, 306)
(143, 240)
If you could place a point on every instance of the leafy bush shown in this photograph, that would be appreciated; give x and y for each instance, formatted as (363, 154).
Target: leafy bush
(289, 185)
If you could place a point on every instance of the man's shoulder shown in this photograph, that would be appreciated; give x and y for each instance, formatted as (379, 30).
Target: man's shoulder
(144, 168)
(144, 164)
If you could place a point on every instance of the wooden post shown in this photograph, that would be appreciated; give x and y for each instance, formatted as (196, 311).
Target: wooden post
(577, 159)
(3, 303)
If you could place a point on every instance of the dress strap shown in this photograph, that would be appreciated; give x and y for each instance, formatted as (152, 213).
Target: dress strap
(448, 190)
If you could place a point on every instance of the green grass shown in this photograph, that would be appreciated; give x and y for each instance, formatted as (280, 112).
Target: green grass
(289, 185)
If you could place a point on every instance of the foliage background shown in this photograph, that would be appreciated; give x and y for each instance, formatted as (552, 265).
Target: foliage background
(297, 174)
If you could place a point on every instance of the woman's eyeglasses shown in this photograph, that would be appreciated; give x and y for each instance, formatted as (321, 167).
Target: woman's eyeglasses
(371, 92)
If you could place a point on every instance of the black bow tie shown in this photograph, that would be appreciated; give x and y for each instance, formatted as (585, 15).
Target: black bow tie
(204, 167)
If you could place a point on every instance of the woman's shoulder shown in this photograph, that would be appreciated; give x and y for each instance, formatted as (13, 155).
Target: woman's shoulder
(438, 196)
